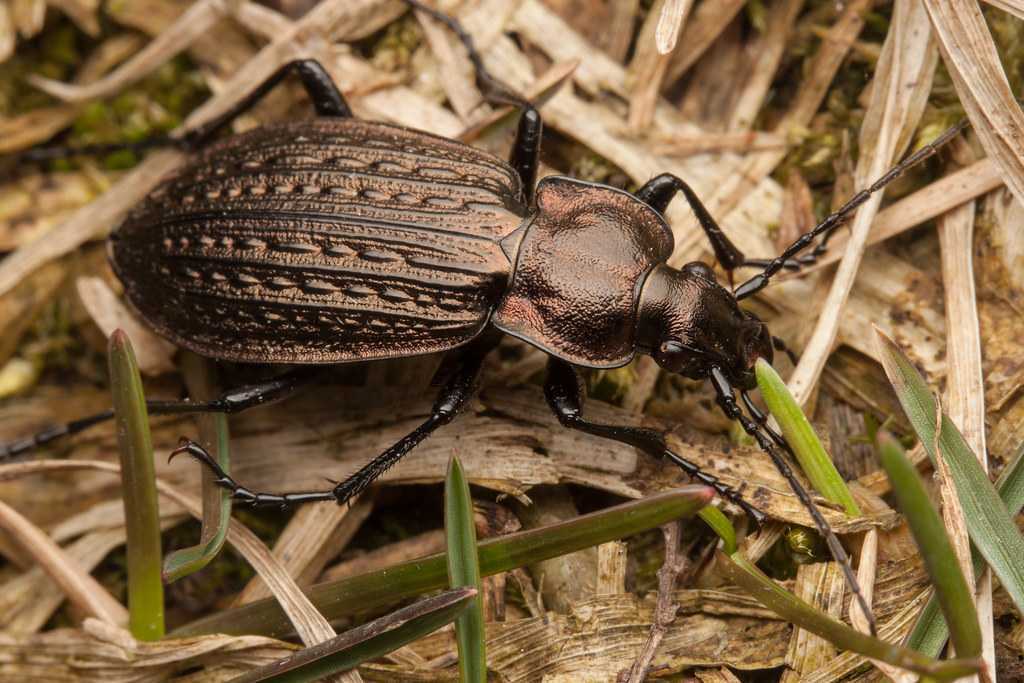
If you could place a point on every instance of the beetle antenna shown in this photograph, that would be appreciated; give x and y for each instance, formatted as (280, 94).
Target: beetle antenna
(758, 429)
(843, 213)
(780, 345)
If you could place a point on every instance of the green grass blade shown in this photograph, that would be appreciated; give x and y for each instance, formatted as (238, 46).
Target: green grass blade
(464, 572)
(200, 378)
(369, 641)
(721, 525)
(216, 513)
(359, 594)
(811, 455)
(931, 631)
(138, 482)
(989, 523)
(954, 595)
(776, 598)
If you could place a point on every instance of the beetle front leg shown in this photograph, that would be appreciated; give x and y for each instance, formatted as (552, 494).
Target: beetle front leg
(525, 157)
(564, 394)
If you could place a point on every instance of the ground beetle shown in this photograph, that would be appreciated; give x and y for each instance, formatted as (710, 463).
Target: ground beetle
(336, 240)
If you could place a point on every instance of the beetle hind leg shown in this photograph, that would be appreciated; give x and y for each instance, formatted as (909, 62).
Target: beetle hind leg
(231, 401)
(452, 397)
(327, 101)
(564, 394)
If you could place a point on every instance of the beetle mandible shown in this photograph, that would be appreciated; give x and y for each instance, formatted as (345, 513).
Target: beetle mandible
(337, 240)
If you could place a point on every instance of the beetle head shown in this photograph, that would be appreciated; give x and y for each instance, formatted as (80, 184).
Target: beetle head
(689, 324)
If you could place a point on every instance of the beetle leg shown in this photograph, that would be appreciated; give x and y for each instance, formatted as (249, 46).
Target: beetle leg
(526, 148)
(564, 394)
(327, 100)
(525, 157)
(659, 191)
(231, 401)
(450, 400)
(727, 402)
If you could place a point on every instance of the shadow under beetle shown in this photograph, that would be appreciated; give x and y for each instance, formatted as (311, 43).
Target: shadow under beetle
(336, 240)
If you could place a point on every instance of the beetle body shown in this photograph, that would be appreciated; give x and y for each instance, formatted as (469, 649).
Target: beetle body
(338, 240)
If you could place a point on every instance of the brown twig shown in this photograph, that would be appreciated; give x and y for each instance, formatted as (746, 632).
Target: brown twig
(665, 611)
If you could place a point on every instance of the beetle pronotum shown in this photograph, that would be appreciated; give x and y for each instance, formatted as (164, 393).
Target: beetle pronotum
(337, 240)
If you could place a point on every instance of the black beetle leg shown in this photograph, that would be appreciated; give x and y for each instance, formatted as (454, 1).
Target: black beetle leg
(231, 401)
(452, 397)
(659, 191)
(526, 148)
(327, 100)
(564, 394)
(525, 157)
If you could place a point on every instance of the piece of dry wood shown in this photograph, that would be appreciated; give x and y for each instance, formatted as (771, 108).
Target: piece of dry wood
(820, 584)
(567, 579)
(77, 656)
(611, 568)
(603, 634)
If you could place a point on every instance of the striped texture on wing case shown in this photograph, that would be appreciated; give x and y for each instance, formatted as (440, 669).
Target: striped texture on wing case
(324, 241)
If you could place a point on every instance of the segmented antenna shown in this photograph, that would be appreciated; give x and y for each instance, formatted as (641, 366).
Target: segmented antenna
(838, 217)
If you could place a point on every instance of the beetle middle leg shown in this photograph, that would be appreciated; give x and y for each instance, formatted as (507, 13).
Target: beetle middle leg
(453, 396)
(564, 394)
(525, 156)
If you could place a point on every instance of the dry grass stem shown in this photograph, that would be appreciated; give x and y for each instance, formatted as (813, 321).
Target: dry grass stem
(973, 62)
(901, 85)
(79, 587)
(196, 21)
(313, 536)
(965, 387)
